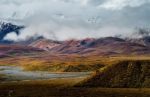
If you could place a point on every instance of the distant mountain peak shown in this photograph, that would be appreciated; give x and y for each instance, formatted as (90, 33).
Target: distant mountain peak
(44, 44)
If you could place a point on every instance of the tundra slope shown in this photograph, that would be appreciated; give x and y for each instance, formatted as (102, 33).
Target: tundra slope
(124, 74)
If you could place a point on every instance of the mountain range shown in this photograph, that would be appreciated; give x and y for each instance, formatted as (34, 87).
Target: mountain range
(102, 46)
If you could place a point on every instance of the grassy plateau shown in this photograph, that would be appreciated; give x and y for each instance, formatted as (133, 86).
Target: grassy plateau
(112, 77)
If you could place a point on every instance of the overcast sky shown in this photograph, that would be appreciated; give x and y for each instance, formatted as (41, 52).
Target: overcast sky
(67, 19)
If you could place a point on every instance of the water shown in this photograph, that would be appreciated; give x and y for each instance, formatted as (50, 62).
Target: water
(14, 73)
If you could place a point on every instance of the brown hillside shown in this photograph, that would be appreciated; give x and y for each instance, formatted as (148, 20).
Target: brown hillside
(125, 74)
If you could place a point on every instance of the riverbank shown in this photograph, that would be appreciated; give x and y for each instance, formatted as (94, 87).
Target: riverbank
(16, 73)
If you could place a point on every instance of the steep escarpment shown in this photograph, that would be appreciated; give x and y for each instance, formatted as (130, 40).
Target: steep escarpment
(125, 74)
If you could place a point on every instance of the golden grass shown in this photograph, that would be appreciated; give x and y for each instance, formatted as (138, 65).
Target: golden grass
(62, 63)
(63, 88)
(126, 73)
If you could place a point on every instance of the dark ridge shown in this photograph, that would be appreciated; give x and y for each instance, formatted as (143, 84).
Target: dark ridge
(6, 28)
(125, 74)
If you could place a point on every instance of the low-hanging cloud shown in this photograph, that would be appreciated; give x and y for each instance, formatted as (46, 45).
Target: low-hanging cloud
(75, 19)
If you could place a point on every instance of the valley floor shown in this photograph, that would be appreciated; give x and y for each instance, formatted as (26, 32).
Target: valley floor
(64, 88)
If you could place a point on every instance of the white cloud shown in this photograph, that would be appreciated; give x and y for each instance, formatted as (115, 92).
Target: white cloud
(11, 36)
(65, 19)
(119, 4)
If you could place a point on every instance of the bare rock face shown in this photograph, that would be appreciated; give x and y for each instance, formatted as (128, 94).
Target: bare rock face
(44, 44)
